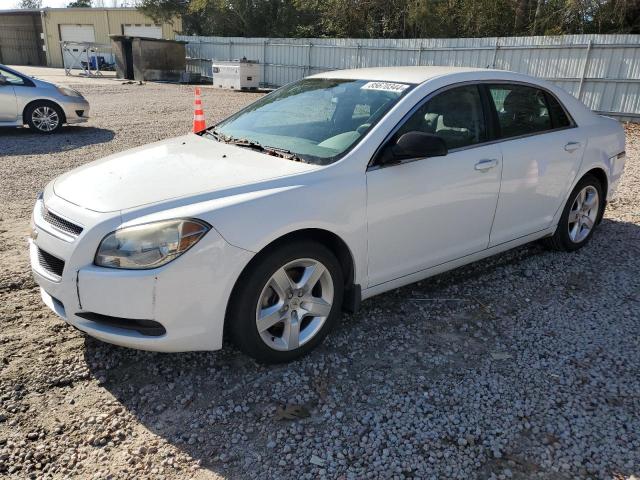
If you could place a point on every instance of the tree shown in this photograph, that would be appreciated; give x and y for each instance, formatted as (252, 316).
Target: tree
(80, 4)
(397, 18)
(33, 4)
(163, 11)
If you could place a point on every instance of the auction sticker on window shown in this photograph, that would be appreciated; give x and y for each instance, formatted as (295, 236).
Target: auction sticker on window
(387, 86)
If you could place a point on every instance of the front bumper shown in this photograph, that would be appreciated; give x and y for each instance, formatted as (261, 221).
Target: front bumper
(188, 296)
(76, 111)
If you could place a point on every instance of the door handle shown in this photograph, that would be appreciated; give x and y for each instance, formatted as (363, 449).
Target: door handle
(572, 146)
(484, 165)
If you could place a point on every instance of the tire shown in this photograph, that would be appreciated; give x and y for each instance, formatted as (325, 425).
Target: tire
(572, 235)
(44, 117)
(264, 297)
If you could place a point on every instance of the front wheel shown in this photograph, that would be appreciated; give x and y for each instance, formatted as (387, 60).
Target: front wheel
(287, 303)
(44, 117)
(580, 216)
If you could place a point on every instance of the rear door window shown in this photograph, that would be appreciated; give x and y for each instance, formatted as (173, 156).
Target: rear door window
(521, 110)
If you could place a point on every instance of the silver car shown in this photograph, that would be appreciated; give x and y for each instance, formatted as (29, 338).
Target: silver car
(44, 106)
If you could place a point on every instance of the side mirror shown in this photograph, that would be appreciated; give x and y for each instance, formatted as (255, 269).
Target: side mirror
(3, 80)
(418, 145)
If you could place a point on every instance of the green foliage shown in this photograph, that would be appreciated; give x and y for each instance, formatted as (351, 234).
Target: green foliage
(30, 4)
(398, 18)
(80, 4)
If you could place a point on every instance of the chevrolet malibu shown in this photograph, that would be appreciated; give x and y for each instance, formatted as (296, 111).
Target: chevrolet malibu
(325, 192)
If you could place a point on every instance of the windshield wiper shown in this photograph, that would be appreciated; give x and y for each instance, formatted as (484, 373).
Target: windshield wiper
(284, 153)
(275, 151)
(243, 142)
(215, 134)
(252, 144)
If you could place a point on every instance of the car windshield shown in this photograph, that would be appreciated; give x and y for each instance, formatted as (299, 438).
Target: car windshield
(315, 120)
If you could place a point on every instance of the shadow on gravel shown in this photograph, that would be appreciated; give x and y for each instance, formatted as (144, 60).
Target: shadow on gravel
(490, 362)
(22, 141)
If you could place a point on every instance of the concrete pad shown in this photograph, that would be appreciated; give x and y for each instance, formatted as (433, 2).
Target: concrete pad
(58, 75)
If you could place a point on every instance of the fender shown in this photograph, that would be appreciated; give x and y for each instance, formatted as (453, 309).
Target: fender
(602, 156)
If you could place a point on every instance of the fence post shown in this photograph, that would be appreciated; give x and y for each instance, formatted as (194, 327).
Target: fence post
(358, 56)
(264, 62)
(585, 66)
(495, 53)
(309, 59)
(419, 59)
(230, 50)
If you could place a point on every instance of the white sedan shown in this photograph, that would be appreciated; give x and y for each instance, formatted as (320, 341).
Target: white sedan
(325, 192)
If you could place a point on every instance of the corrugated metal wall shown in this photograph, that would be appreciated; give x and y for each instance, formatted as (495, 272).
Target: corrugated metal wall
(19, 46)
(602, 70)
(20, 42)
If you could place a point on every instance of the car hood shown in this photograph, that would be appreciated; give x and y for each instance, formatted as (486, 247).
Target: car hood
(42, 83)
(169, 169)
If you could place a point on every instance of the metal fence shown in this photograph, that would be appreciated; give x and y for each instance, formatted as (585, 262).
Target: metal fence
(601, 70)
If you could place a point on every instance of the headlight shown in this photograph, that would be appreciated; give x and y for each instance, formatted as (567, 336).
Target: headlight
(69, 92)
(150, 245)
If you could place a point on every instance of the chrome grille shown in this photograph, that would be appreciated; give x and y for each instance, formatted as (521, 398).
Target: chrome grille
(60, 223)
(51, 264)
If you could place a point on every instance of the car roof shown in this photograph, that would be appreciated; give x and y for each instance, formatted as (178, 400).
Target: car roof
(414, 75)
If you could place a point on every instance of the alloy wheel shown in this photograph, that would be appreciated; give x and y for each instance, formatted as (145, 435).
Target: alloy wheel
(294, 304)
(45, 118)
(583, 214)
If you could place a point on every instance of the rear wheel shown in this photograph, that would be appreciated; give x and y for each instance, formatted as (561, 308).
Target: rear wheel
(44, 117)
(580, 216)
(287, 303)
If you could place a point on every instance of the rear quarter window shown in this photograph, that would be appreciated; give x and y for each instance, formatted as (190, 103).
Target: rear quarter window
(559, 117)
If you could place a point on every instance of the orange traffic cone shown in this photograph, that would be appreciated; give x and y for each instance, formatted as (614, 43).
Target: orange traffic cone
(198, 114)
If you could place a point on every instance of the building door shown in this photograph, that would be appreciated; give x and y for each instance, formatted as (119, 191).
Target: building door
(138, 30)
(20, 44)
(76, 33)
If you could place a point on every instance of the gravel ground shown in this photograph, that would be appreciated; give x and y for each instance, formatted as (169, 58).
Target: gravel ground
(521, 366)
